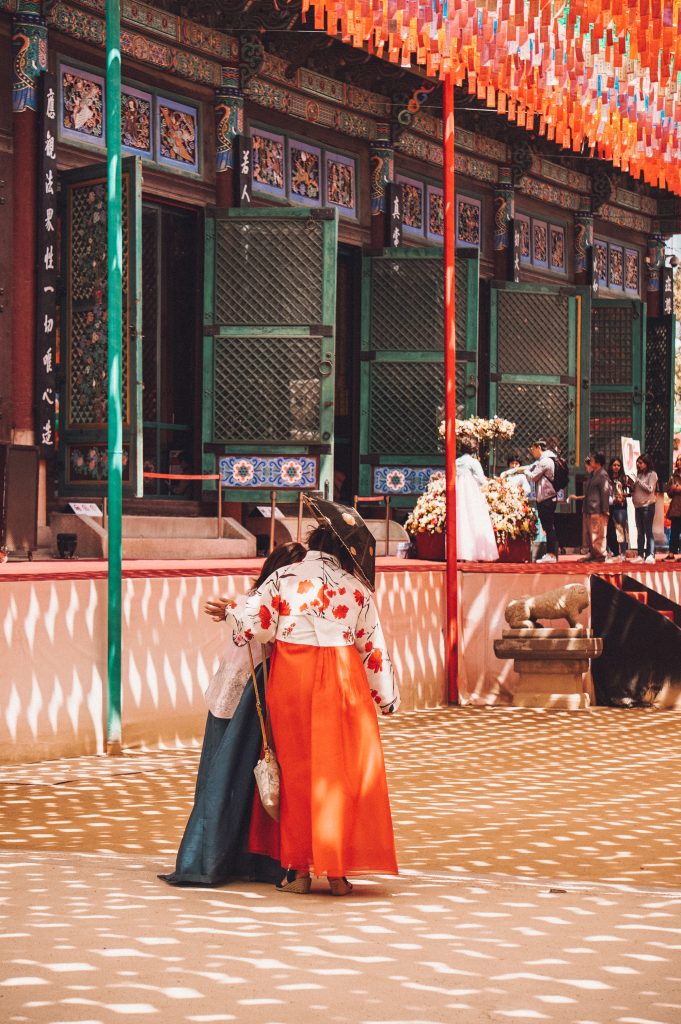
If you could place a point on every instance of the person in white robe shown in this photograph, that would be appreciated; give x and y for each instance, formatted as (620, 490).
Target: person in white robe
(475, 540)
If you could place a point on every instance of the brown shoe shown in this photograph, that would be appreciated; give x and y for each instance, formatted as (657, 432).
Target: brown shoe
(339, 886)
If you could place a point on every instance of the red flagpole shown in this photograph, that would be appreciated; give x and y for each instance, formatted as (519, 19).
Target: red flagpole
(451, 635)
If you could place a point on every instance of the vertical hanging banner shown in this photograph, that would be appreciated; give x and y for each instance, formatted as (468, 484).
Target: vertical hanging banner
(395, 208)
(244, 151)
(46, 320)
(667, 275)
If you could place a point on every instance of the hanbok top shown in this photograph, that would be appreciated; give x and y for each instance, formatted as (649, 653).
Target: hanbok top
(232, 674)
(316, 602)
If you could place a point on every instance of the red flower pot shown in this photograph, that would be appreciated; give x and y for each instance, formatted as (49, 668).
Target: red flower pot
(430, 546)
(516, 549)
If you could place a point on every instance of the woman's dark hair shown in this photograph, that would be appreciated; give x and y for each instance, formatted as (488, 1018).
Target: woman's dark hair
(512, 457)
(466, 447)
(647, 461)
(283, 554)
(621, 474)
(323, 539)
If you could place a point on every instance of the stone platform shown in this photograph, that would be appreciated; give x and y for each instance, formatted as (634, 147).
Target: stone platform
(551, 664)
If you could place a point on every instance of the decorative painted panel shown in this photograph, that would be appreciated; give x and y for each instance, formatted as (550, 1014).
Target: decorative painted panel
(468, 221)
(79, 24)
(278, 472)
(305, 173)
(268, 158)
(81, 106)
(340, 183)
(402, 479)
(632, 271)
(89, 464)
(136, 122)
(177, 134)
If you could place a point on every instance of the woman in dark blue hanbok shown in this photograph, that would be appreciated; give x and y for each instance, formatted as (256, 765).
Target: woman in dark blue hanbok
(214, 847)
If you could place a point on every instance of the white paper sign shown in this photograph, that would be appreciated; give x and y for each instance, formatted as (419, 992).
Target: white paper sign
(631, 449)
(86, 508)
(266, 511)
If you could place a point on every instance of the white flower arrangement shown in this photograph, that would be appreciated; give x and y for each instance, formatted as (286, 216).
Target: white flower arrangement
(430, 511)
(512, 515)
(476, 429)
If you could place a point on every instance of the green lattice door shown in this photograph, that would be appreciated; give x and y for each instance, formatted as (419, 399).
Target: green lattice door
(659, 418)
(269, 321)
(533, 358)
(402, 369)
(83, 406)
(617, 394)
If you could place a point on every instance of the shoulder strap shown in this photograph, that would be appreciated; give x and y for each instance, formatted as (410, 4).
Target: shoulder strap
(265, 744)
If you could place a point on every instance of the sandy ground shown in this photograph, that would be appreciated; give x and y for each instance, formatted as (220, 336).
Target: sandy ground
(541, 881)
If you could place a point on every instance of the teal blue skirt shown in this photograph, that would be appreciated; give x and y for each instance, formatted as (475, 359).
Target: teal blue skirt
(214, 847)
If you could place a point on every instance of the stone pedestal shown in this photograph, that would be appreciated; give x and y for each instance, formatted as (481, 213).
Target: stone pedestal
(552, 666)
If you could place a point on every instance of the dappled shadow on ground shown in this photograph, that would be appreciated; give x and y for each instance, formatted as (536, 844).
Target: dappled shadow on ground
(96, 939)
(486, 804)
(577, 795)
(591, 796)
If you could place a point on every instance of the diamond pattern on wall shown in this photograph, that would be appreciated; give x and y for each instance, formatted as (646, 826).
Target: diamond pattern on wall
(406, 400)
(258, 279)
(407, 305)
(533, 333)
(611, 344)
(658, 394)
(538, 410)
(87, 324)
(611, 419)
(267, 390)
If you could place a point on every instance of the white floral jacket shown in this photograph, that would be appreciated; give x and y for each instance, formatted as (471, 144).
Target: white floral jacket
(316, 602)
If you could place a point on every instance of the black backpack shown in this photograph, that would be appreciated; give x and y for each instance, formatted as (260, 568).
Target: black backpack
(561, 477)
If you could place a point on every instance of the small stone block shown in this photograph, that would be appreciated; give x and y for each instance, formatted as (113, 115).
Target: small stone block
(546, 666)
(549, 684)
(552, 701)
(547, 634)
(558, 648)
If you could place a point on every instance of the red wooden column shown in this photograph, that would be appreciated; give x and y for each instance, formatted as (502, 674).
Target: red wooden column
(29, 43)
(229, 125)
(451, 633)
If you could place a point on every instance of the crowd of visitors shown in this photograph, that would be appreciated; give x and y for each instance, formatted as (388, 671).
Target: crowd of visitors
(604, 497)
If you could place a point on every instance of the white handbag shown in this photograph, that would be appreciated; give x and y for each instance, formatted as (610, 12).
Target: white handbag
(266, 771)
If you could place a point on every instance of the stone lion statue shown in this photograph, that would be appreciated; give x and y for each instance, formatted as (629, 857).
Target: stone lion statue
(562, 603)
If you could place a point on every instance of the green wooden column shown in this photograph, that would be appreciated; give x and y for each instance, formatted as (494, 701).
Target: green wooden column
(115, 421)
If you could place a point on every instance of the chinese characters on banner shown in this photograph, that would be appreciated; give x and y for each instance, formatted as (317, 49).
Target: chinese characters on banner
(244, 152)
(45, 374)
(395, 218)
(667, 291)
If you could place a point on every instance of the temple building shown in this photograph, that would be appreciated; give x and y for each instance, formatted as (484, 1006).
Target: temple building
(283, 263)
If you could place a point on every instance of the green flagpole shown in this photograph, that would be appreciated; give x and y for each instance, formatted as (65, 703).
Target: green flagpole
(115, 308)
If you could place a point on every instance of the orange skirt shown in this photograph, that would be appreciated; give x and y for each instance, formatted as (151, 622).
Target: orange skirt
(335, 813)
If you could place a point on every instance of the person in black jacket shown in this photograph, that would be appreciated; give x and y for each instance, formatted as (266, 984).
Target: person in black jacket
(596, 507)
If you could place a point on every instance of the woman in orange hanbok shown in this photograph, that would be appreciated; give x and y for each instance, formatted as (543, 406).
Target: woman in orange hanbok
(330, 672)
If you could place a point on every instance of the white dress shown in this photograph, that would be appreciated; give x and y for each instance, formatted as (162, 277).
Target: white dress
(475, 541)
